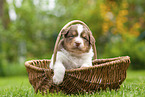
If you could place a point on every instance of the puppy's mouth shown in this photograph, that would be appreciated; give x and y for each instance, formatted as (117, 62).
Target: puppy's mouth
(77, 49)
(77, 45)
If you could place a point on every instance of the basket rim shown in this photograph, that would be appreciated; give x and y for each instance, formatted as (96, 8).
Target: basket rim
(116, 60)
(111, 61)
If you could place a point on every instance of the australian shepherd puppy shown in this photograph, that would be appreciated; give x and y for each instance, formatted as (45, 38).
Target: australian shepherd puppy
(74, 51)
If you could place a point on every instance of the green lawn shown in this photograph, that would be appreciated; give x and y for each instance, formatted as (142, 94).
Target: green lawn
(133, 86)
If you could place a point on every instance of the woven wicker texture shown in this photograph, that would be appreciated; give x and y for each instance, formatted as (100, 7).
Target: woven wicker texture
(107, 73)
(104, 72)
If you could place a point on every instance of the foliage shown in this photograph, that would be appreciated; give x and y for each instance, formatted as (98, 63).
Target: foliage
(131, 47)
(14, 70)
(32, 35)
(19, 86)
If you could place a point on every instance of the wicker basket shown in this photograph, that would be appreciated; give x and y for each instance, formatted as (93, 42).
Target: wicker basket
(105, 73)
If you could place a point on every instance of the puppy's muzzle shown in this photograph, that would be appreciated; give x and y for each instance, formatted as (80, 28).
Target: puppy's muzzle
(77, 44)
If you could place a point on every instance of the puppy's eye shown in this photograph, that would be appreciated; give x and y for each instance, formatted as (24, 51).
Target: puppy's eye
(84, 36)
(71, 36)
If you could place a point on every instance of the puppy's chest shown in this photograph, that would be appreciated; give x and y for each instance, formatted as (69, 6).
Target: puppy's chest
(71, 62)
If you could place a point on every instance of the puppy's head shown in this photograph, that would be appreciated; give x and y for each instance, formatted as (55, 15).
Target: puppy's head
(77, 39)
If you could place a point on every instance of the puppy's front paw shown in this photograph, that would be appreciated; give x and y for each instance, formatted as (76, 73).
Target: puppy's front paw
(57, 80)
(86, 65)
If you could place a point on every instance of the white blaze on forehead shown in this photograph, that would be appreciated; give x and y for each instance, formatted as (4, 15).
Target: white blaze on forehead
(78, 38)
(80, 29)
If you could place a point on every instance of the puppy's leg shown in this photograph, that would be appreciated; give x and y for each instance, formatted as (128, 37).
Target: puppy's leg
(51, 63)
(59, 71)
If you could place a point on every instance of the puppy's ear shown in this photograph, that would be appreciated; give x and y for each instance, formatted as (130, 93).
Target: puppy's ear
(92, 39)
(65, 32)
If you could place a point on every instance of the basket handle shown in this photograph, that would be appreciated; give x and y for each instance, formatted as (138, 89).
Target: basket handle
(59, 36)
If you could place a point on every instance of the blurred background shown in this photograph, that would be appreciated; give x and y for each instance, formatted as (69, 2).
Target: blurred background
(28, 29)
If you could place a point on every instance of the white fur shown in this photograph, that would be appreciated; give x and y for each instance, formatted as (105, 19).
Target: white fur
(65, 60)
(80, 29)
(78, 39)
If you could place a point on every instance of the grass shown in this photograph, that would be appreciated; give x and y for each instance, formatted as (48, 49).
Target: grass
(133, 86)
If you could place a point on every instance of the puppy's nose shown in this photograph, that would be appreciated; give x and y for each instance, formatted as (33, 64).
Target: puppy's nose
(77, 43)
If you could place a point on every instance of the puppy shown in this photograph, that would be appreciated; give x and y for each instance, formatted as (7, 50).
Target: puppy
(74, 51)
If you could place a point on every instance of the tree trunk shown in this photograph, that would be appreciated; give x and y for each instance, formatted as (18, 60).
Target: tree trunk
(1, 15)
(1, 8)
(4, 15)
